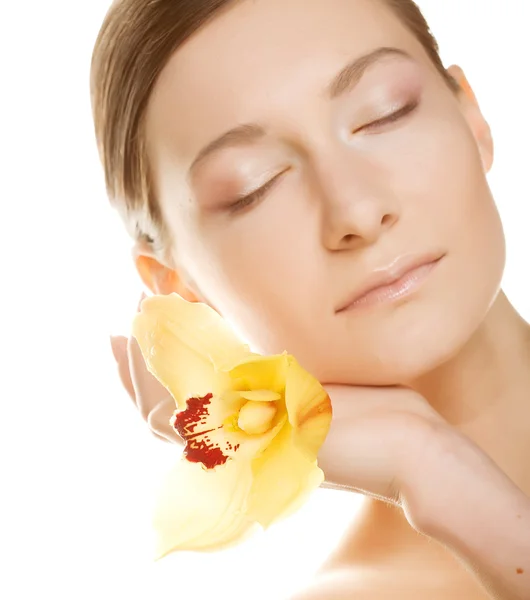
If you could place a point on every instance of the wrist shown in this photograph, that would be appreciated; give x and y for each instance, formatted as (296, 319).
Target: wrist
(456, 487)
(470, 506)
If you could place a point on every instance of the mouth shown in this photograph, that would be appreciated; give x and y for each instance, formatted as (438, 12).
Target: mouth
(400, 279)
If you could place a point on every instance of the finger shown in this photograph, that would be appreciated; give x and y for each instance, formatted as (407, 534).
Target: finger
(154, 402)
(119, 349)
(158, 421)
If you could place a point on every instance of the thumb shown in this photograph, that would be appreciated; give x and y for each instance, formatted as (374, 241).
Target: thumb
(155, 403)
(118, 345)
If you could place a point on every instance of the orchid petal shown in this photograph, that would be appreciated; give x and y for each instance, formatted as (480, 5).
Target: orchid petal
(309, 409)
(185, 345)
(261, 373)
(283, 480)
(261, 395)
(199, 509)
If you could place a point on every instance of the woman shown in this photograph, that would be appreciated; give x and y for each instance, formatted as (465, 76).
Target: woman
(314, 173)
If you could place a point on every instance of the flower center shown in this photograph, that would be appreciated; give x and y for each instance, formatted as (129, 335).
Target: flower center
(256, 417)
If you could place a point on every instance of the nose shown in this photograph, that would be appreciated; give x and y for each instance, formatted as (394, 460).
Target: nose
(357, 207)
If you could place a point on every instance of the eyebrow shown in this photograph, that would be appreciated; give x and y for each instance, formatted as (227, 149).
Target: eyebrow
(347, 78)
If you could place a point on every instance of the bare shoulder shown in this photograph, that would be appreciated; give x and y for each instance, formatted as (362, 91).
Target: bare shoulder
(361, 584)
(341, 585)
(369, 583)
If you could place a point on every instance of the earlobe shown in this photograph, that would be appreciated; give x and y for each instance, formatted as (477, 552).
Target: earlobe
(487, 151)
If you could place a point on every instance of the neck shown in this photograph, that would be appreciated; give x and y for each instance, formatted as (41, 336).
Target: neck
(484, 392)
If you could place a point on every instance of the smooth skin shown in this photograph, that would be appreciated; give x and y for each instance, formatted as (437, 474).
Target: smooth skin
(431, 394)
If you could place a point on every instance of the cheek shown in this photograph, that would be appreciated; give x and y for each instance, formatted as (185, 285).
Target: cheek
(444, 193)
(466, 215)
(260, 271)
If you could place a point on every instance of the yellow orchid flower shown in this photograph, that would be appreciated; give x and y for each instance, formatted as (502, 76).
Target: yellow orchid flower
(252, 426)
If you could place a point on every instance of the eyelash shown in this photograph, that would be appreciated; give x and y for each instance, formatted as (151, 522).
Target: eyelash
(254, 197)
(395, 116)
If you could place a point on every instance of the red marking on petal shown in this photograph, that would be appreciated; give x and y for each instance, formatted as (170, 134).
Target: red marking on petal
(209, 456)
(199, 447)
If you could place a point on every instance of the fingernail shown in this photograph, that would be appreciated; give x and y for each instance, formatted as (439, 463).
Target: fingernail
(142, 298)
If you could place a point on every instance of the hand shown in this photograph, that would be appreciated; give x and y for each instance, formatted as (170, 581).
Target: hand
(153, 401)
(379, 437)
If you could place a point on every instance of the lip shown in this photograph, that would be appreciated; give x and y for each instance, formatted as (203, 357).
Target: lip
(399, 279)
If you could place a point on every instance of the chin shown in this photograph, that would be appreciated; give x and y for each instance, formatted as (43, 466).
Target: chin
(404, 369)
(401, 356)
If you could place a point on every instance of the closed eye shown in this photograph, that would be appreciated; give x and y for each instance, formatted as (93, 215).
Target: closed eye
(255, 196)
(391, 118)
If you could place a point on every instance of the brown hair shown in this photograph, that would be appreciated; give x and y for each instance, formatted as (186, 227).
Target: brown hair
(135, 42)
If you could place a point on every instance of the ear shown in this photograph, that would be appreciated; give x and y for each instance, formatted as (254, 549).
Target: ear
(477, 123)
(159, 278)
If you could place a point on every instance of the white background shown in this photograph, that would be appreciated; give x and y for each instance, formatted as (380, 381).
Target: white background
(77, 464)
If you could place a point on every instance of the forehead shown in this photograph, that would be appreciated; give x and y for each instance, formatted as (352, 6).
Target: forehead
(261, 60)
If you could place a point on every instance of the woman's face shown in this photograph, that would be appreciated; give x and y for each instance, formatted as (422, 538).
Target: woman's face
(365, 172)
